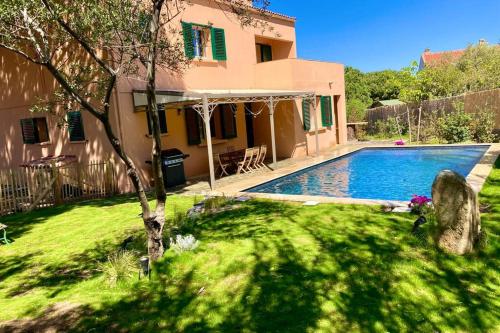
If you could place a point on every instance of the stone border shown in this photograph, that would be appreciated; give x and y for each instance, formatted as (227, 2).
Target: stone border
(476, 177)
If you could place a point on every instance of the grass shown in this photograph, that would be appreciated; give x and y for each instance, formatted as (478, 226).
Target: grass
(264, 267)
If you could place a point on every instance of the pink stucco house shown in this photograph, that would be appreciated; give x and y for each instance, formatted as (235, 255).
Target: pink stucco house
(241, 68)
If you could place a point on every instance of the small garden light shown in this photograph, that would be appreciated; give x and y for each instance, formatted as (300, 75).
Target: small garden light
(144, 263)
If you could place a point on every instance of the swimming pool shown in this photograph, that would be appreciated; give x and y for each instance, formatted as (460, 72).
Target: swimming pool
(377, 173)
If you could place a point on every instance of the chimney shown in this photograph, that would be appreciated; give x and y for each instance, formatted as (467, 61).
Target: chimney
(427, 50)
(482, 41)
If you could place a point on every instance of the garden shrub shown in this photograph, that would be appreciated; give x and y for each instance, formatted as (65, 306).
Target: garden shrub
(361, 134)
(356, 110)
(482, 126)
(455, 126)
(216, 202)
(429, 128)
(183, 243)
(179, 217)
(180, 222)
(120, 266)
(388, 128)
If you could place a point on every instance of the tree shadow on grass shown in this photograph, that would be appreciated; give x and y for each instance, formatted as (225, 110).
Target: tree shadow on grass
(281, 296)
(59, 277)
(277, 297)
(13, 265)
(365, 275)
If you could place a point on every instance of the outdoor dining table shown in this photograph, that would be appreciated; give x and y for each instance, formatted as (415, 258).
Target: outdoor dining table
(232, 158)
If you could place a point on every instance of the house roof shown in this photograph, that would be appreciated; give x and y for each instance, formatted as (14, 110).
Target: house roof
(256, 10)
(432, 58)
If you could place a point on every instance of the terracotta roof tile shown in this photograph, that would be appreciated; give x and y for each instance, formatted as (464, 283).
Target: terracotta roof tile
(440, 57)
(256, 9)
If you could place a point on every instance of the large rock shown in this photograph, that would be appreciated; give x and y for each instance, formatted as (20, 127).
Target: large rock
(457, 212)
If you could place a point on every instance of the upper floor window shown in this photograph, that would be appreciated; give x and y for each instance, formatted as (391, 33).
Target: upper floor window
(264, 53)
(198, 36)
(35, 130)
(199, 41)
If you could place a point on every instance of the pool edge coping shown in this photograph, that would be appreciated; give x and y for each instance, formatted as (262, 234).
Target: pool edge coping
(480, 172)
(476, 177)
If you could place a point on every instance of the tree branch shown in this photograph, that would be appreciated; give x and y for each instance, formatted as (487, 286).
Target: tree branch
(74, 94)
(78, 38)
(109, 91)
(21, 53)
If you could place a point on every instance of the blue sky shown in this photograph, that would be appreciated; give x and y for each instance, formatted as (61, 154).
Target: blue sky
(388, 34)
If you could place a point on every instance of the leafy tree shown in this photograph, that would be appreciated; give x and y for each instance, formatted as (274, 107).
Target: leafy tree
(87, 46)
(437, 81)
(384, 85)
(411, 89)
(357, 94)
(440, 81)
(481, 67)
(356, 85)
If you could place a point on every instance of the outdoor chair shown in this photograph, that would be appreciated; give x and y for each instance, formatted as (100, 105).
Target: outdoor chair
(259, 163)
(255, 158)
(244, 165)
(3, 238)
(221, 166)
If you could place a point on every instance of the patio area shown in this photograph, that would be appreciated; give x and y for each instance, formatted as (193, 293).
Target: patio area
(236, 182)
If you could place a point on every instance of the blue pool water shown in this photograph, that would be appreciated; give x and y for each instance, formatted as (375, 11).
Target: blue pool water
(377, 173)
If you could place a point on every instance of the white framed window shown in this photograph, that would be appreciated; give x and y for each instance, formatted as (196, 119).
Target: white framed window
(200, 37)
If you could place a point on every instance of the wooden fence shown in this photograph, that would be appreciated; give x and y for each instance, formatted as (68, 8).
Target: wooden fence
(473, 102)
(27, 188)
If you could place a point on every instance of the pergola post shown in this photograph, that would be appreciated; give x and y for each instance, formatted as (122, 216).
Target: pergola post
(273, 138)
(208, 134)
(315, 104)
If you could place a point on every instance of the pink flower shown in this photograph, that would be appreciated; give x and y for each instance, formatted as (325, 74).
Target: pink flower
(419, 200)
(399, 143)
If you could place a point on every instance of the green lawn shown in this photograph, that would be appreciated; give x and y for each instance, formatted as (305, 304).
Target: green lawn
(265, 267)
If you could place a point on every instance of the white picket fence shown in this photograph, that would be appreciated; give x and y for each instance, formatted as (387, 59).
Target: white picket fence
(27, 188)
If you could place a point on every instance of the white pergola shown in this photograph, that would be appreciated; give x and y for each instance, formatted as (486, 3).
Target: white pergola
(204, 103)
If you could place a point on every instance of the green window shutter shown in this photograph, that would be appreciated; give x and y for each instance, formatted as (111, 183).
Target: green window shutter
(228, 122)
(192, 126)
(162, 118)
(75, 126)
(326, 111)
(187, 33)
(28, 130)
(306, 114)
(218, 44)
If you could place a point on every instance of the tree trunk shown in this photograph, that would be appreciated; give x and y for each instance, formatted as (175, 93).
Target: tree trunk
(154, 225)
(152, 222)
